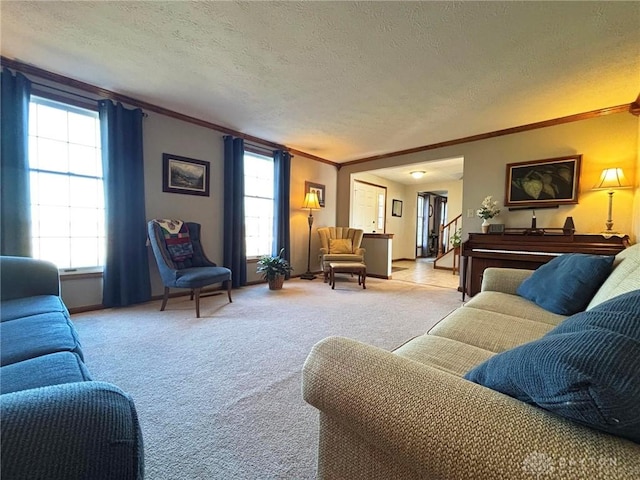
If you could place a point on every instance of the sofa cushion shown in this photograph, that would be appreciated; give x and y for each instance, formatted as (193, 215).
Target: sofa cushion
(51, 369)
(26, 306)
(567, 283)
(443, 353)
(495, 332)
(514, 305)
(37, 335)
(624, 277)
(340, 245)
(586, 369)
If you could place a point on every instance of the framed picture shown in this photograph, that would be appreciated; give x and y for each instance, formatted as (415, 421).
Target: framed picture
(317, 188)
(548, 182)
(396, 208)
(185, 175)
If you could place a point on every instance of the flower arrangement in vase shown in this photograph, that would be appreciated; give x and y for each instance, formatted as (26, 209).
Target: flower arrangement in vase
(489, 209)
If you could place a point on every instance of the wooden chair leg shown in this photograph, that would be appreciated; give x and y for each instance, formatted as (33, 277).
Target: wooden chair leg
(229, 290)
(165, 298)
(191, 297)
(197, 293)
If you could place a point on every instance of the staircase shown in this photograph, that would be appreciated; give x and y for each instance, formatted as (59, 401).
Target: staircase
(448, 256)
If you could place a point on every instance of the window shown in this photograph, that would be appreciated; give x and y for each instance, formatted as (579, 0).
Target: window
(258, 204)
(67, 197)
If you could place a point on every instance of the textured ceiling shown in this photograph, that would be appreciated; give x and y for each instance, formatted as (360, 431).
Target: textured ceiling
(342, 80)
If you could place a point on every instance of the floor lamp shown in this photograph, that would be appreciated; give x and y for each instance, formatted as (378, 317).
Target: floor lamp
(611, 178)
(310, 202)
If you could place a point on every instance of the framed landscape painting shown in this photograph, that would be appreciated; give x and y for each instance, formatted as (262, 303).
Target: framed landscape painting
(540, 183)
(185, 175)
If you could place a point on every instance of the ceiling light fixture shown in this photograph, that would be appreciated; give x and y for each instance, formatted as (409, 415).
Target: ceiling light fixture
(417, 174)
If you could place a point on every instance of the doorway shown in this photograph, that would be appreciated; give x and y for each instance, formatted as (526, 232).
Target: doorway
(432, 213)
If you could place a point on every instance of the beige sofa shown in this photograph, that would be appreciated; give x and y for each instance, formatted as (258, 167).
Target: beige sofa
(409, 414)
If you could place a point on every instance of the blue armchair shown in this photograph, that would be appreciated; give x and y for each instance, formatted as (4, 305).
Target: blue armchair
(181, 260)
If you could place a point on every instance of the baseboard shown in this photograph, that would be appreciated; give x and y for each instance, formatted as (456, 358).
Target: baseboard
(182, 293)
(86, 308)
(375, 275)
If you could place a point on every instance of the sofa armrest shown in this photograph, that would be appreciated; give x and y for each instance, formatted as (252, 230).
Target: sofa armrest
(505, 280)
(324, 251)
(72, 431)
(27, 277)
(442, 426)
(360, 251)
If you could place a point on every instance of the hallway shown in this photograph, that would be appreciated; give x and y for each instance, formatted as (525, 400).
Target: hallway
(421, 271)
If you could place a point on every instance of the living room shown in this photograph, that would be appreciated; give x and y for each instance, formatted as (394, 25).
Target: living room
(604, 132)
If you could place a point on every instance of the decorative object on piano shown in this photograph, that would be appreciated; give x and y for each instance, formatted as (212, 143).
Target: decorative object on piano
(611, 178)
(540, 183)
(496, 228)
(568, 228)
(534, 230)
(489, 209)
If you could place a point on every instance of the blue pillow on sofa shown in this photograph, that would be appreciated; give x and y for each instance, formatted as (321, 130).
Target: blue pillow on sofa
(585, 369)
(567, 283)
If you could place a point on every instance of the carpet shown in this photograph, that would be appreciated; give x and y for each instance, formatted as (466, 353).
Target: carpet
(219, 397)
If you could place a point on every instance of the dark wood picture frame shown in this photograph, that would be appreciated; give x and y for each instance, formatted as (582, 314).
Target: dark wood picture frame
(396, 208)
(185, 175)
(543, 183)
(317, 188)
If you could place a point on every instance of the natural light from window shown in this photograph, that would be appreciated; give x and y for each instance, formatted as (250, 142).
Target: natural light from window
(67, 199)
(258, 204)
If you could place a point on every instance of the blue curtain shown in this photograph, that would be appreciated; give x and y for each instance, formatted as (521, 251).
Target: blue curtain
(15, 202)
(282, 176)
(126, 273)
(235, 250)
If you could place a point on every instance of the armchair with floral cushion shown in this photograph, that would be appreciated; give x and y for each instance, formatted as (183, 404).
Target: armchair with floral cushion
(340, 244)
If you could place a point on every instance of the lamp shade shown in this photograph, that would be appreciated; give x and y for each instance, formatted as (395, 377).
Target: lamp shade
(417, 174)
(311, 201)
(611, 178)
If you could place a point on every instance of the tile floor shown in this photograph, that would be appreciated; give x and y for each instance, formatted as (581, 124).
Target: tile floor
(421, 271)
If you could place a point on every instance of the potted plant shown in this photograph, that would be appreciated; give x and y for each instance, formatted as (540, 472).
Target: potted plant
(274, 269)
(456, 238)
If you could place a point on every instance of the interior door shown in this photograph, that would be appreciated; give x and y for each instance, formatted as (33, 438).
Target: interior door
(368, 203)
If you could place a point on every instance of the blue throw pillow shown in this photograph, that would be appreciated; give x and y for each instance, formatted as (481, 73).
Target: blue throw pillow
(586, 369)
(567, 283)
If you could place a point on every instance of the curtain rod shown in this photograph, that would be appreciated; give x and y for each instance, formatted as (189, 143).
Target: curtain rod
(66, 92)
(63, 91)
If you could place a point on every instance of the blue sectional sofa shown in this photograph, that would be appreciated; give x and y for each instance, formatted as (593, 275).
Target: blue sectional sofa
(57, 423)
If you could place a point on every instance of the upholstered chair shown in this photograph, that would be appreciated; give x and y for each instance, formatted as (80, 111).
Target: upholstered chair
(340, 244)
(182, 261)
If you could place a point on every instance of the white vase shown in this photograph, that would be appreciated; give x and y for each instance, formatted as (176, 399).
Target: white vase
(485, 226)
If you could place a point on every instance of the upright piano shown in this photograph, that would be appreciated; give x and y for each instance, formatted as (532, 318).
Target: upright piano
(524, 248)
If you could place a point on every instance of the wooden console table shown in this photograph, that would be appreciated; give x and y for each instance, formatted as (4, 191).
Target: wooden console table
(518, 250)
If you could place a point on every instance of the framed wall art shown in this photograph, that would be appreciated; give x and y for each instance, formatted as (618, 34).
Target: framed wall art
(396, 208)
(540, 183)
(317, 188)
(185, 175)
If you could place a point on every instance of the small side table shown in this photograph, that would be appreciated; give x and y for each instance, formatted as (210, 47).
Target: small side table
(347, 267)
